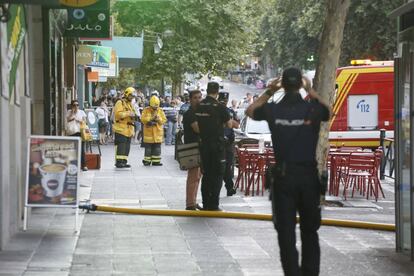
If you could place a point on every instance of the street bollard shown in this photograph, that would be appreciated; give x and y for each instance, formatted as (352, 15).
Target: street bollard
(383, 160)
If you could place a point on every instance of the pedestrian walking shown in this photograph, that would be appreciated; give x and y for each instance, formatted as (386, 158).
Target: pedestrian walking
(137, 123)
(183, 109)
(247, 101)
(103, 121)
(212, 117)
(229, 138)
(153, 119)
(172, 116)
(191, 132)
(234, 104)
(294, 124)
(74, 118)
(124, 120)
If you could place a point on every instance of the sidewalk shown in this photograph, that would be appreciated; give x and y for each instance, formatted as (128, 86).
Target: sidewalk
(118, 244)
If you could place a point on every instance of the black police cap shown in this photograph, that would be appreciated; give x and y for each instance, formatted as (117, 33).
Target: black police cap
(213, 87)
(292, 77)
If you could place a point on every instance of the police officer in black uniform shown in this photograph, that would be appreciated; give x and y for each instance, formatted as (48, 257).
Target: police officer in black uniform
(212, 117)
(229, 137)
(294, 124)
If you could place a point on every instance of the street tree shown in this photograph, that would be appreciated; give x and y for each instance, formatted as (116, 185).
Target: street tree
(207, 35)
(329, 53)
(292, 31)
(369, 32)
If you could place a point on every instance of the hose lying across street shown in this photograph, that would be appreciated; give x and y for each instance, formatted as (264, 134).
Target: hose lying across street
(232, 215)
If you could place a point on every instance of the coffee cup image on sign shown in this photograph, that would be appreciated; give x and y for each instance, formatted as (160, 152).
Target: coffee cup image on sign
(53, 179)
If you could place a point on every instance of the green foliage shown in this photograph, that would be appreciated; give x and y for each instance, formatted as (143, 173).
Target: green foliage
(208, 35)
(369, 32)
(291, 31)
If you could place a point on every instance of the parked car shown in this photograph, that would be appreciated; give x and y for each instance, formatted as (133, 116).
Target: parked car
(252, 129)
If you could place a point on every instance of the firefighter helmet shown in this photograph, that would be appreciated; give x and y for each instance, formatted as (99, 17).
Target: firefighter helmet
(154, 101)
(129, 91)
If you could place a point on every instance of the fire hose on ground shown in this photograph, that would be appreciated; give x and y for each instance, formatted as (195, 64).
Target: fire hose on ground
(231, 215)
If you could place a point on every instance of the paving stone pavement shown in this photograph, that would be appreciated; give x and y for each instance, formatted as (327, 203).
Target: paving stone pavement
(120, 244)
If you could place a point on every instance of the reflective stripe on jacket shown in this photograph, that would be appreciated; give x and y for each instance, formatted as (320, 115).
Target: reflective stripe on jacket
(123, 124)
(153, 132)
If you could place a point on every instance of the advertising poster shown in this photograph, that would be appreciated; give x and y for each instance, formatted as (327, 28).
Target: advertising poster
(53, 171)
(92, 120)
(112, 71)
(94, 56)
(14, 31)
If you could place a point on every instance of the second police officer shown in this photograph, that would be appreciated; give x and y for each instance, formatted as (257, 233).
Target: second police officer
(294, 124)
(212, 117)
(229, 138)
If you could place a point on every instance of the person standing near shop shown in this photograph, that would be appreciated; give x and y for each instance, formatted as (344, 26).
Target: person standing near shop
(191, 132)
(172, 116)
(153, 119)
(103, 121)
(124, 120)
(74, 119)
(137, 123)
(212, 117)
(294, 124)
(229, 138)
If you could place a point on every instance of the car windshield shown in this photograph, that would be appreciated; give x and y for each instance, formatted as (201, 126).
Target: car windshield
(257, 127)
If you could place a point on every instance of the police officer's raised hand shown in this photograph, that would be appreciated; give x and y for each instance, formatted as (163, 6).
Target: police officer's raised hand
(307, 85)
(132, 114)
(272, 87)
(313, 94)
(275, 85)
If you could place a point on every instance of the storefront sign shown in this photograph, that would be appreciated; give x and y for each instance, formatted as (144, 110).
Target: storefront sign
(90, 21)
(94, 56)
(15, 32)
(93, 76)
(102, 79)
(77, 3)
(53, 171)
(112, 71)
(92, 120)
(54, 3)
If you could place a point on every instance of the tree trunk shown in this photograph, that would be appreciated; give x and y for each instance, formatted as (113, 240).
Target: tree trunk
(176, 87)
(329, 53)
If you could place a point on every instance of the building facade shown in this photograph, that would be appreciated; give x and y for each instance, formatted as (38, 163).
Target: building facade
(38, 79)
(404, 128)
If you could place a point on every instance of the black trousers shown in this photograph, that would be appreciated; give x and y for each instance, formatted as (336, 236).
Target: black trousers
(212, 165)
(152, 153)
(122, 148)
(83, 159)
(298, 190)
(229, 170)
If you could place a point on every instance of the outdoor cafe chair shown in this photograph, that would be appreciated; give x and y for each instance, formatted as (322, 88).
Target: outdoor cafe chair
(245, 168)
(338, 164)
(260, 164)
(362, 175)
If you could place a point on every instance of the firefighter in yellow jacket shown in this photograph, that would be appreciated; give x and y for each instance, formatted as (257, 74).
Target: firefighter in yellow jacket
(124, 118)
(153, 119)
